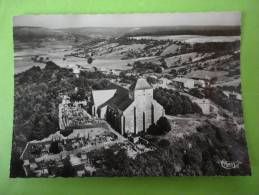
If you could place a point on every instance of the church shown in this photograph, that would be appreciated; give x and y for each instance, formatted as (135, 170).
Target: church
(129, 111)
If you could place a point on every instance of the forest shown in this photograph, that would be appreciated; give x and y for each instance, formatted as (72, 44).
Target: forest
(175, 103)
(36, 99)
(216, 95)
(194, 155)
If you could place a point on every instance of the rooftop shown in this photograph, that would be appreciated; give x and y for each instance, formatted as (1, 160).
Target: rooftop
(182, 79)
(141, 84)
(120, 100)
(102, 96)
(119, 96)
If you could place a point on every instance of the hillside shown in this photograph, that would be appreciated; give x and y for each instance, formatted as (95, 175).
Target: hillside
(113, 32)
(186, 30)
(97, 32)
(27, 33)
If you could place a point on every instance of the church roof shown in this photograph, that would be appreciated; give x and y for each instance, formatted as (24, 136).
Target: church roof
(102, 96)
(141, 84)
(120, 100)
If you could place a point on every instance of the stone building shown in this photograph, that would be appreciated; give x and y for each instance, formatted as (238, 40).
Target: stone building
(76, 70)
(128, 111)
(180, 83)
(206, 106)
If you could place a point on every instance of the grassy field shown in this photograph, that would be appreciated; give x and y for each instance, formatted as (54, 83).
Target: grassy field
(191, 38)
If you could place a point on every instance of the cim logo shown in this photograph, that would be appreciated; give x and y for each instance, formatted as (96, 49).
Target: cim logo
(229, 164)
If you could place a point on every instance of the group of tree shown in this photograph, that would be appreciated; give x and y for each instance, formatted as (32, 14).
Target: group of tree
(216, 94)
(195, 155)
(217, 47)
(174, 103)
(228, 102)
(36, 101)
(161, 127)
(144, 67)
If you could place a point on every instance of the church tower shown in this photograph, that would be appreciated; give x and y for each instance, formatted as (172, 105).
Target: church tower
(141, 89)
(141, 92)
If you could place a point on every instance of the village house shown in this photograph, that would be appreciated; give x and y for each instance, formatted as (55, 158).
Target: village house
(180, 83)
(76, 70)
(164, 82)
(127, 111)
(200, 83)
(115, 72)
(206, 106)
(233, 95)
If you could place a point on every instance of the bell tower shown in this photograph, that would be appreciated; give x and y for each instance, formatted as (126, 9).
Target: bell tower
(141, 89)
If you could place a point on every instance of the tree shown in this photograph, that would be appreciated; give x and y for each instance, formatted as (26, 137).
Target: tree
(16, 165)
(164, 143)
(163, 63)
(68, 170)
(41, 59)
(213, 80)
(152, 130)
(54, 148)
(151, 80)
(89, 60)
(161, 127)
(173, 72)
(158, 69)
(163, 124)
(103, 84)
(51, 66)
(196, 92)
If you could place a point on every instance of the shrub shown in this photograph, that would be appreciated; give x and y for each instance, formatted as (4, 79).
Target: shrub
(161, 127)
(163, 124)
(196, 93)
(163, 143)
(152, 130)
(54, 148)
(89, 60)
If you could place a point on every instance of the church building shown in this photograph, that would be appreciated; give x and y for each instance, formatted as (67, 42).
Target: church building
(127, 111)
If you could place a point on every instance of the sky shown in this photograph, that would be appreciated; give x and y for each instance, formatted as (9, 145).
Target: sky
(130, 20)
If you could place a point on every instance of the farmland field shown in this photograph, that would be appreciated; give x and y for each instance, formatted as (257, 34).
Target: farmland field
(191, 38)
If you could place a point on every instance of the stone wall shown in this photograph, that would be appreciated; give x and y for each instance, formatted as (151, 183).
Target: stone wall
(143, 109)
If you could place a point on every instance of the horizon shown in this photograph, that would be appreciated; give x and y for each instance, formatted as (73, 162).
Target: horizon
(129, 27)
(129, 20)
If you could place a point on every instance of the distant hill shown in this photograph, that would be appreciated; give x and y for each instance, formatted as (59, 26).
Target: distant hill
(111, 32)
(97, 32)
(186, 30)
(27, 33)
